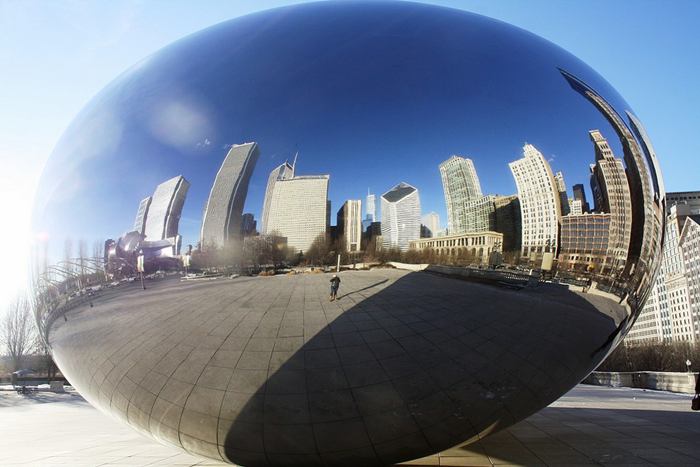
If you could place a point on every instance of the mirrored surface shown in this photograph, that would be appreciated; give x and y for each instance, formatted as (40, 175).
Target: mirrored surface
(344, 233)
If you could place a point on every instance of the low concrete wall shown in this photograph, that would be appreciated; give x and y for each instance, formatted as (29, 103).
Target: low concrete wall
(662, 381)
(408, 267)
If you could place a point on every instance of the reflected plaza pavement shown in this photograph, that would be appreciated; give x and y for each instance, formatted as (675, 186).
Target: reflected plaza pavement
(382, 369)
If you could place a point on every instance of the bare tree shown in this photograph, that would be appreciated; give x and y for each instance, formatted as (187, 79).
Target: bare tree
(17, 332)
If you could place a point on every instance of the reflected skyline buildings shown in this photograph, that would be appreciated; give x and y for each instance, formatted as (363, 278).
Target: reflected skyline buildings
(349, 222)
(401, 214)
(222, 217)
(460, 184)
(141, 214)
(283, 172)
(580, 198)
(539, 203)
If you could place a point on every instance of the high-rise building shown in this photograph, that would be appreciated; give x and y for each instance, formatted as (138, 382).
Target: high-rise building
(281, 172)
(580, 195)
(371, 211)
(142, 215)
(299, 210)
(689, 198)
(350, 225)
(539, 203)
(575, 207)
(248, 224)
(612, 195)
(584, 242)
(508, 221)
(221, 222)
(431, 221)
(689, 244)
(461, 185)
(400, 216)
(163, 217)
(563, 197)
(479, 215)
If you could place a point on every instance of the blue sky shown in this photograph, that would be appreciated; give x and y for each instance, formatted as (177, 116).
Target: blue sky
(55, 56)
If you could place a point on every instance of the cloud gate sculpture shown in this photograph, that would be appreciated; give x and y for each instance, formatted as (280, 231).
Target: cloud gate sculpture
(490, 204)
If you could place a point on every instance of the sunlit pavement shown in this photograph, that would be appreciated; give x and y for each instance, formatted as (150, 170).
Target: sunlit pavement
(588, 426)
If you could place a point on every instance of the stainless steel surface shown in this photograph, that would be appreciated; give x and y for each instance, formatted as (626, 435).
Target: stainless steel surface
(380, 132)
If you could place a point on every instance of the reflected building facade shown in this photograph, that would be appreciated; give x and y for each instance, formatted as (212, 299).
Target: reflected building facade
(460, 184)
(580, 196)
(349, 225)
(473, 247)
(563, 197)
(282, 172)
(142, 215)
(163, 217)
(539, 203)
(221, 221)
(299, 210)
(431, 222)
(400, 216)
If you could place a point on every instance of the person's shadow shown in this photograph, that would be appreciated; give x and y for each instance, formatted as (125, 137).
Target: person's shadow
(362, 289)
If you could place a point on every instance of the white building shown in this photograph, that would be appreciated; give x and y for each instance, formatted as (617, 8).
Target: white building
(299, 210)
(164, 212)
(349, 224)
(400, 216)
(690, 246)
(142, 215)
(575, 207)
(461, 185)
(539, 203)
(563, 197)
(281, 172)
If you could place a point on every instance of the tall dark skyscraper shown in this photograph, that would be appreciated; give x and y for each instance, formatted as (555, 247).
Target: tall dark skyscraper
(221, 222)
(580, 195)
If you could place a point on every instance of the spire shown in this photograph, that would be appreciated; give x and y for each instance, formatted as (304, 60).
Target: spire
(294, 164)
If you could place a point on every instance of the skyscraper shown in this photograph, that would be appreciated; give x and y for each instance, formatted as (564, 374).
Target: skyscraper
(350, 225)
(563, 197)
(248, 224)
(612, 195)
(163, 216)
(432, 222)
(371, 211)
(221, 222)
(281, 172)
(508, 221)
(400, 216)
(299, 210)
(539, 203)
(580, 195)
(142, 215)
(461, 185)
(479, 214)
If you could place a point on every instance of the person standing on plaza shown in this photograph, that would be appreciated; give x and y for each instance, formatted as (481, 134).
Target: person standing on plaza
(335, 285)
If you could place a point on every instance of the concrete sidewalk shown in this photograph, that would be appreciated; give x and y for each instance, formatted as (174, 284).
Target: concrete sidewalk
(588, 426)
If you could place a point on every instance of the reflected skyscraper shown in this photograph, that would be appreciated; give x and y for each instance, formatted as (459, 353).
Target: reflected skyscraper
(612, 195)
(539, 203)
(432, 222)
(248, 224)
(580, 196)
(299, 210)
(349, 224)
(563, 197)
(282, 172)
(507, 213)
(370, 211)
(163, 216)
(400, 216)
(460, 184)
(221, 222)
(142, 215)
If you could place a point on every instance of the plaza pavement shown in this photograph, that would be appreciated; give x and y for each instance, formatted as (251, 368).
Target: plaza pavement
(587, 426)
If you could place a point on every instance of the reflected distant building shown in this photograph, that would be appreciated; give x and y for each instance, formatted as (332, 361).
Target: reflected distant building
(372, 237)
(575, 207)
(479, 215)
(299, 210)
(431, 222)
(248, 225)
(371, 211)
(563, 197)
(163, 216)
(142, 215)
(476, 247)
(221, 222)
(689, 243)
(349, 225)
(580, 196)
(460, 184)
(400, 216)
(584, 242)
(612, 195)
(281, 172)
(539, 203)
(648, 208)
(508, 223)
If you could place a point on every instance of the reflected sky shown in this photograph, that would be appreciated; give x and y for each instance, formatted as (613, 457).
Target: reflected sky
(372, 96)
